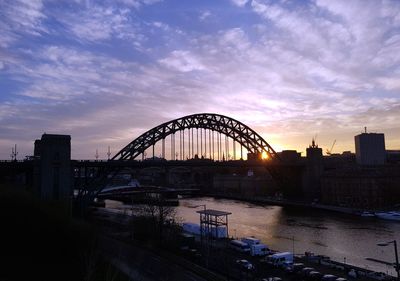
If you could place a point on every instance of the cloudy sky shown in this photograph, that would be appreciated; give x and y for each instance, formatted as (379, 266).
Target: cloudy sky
(107, 71)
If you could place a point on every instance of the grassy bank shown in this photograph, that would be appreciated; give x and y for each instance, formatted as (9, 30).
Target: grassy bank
(40, 241)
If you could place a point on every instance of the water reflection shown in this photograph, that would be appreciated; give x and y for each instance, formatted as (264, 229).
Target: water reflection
(342, 237)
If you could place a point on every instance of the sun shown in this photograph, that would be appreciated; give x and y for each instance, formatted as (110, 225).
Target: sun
(264, 155)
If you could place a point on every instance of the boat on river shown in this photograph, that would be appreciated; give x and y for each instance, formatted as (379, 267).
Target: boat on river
(392, 215)
(367, 214)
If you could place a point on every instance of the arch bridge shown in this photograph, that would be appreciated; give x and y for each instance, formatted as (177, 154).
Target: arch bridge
(188, 138)
(194, 129)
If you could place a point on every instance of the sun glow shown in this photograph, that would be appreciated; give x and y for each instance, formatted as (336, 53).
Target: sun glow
(264, 155)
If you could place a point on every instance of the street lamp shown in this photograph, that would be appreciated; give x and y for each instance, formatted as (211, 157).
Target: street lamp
(201, 229)
(201, 224)
(202, 234)
(397, 267)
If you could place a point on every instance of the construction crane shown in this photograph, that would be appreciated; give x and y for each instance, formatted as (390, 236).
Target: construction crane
(329, 151)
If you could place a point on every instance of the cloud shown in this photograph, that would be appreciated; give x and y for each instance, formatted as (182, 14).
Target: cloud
(96, 23)
(240, 3)
(24, 15)
(80, 93)
(19, 18)
(103, 22)
(204, 15)
(288, 70)
(182, 61)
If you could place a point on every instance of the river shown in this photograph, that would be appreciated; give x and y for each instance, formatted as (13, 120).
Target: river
(344, 238)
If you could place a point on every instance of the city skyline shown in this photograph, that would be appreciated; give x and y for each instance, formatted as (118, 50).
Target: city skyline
(106, 72)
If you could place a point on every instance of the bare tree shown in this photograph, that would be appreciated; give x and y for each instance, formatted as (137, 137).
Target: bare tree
(160, 213)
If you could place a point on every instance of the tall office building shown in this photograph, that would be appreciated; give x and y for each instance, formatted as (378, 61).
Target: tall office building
(314, 170)
(370, 149)
(53, 176)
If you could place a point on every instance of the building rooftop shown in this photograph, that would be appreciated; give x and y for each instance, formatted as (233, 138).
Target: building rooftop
(55, 136)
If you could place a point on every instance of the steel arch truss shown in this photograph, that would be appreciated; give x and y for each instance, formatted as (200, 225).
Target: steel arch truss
(230, 127)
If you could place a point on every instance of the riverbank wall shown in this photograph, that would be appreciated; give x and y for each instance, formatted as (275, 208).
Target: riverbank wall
(286, 202)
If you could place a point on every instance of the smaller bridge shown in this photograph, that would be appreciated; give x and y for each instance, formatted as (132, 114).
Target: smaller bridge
(154, 194)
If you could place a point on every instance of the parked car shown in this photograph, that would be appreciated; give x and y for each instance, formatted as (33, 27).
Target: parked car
(272, 279)
(329, 277)
(286, 264)
(379, 276)
(352, 273)
(304, 271)
(314, 276)
(279, 259)
(239, 246)
(294, 268)
(341, 279)
(245, 264)
(259, 250)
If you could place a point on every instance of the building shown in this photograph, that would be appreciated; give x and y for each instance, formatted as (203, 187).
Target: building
(314, 170)
(370, 149)
(336, 160)
(393, 156)
(290, 156)
(246, 186)
(52, 170)
(361, 187)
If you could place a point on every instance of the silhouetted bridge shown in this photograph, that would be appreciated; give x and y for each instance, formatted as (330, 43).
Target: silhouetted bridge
(200, 144)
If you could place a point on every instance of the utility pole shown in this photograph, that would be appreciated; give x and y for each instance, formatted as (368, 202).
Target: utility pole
(109, 153)
(14, 153)
(293, 244)
(396, 255)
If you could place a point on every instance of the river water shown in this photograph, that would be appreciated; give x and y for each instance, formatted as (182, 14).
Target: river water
(344, 238)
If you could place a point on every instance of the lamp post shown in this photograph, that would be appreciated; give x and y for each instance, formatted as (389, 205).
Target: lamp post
(202, 234)
(201, 229)
(201, 224)
(397, 267)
